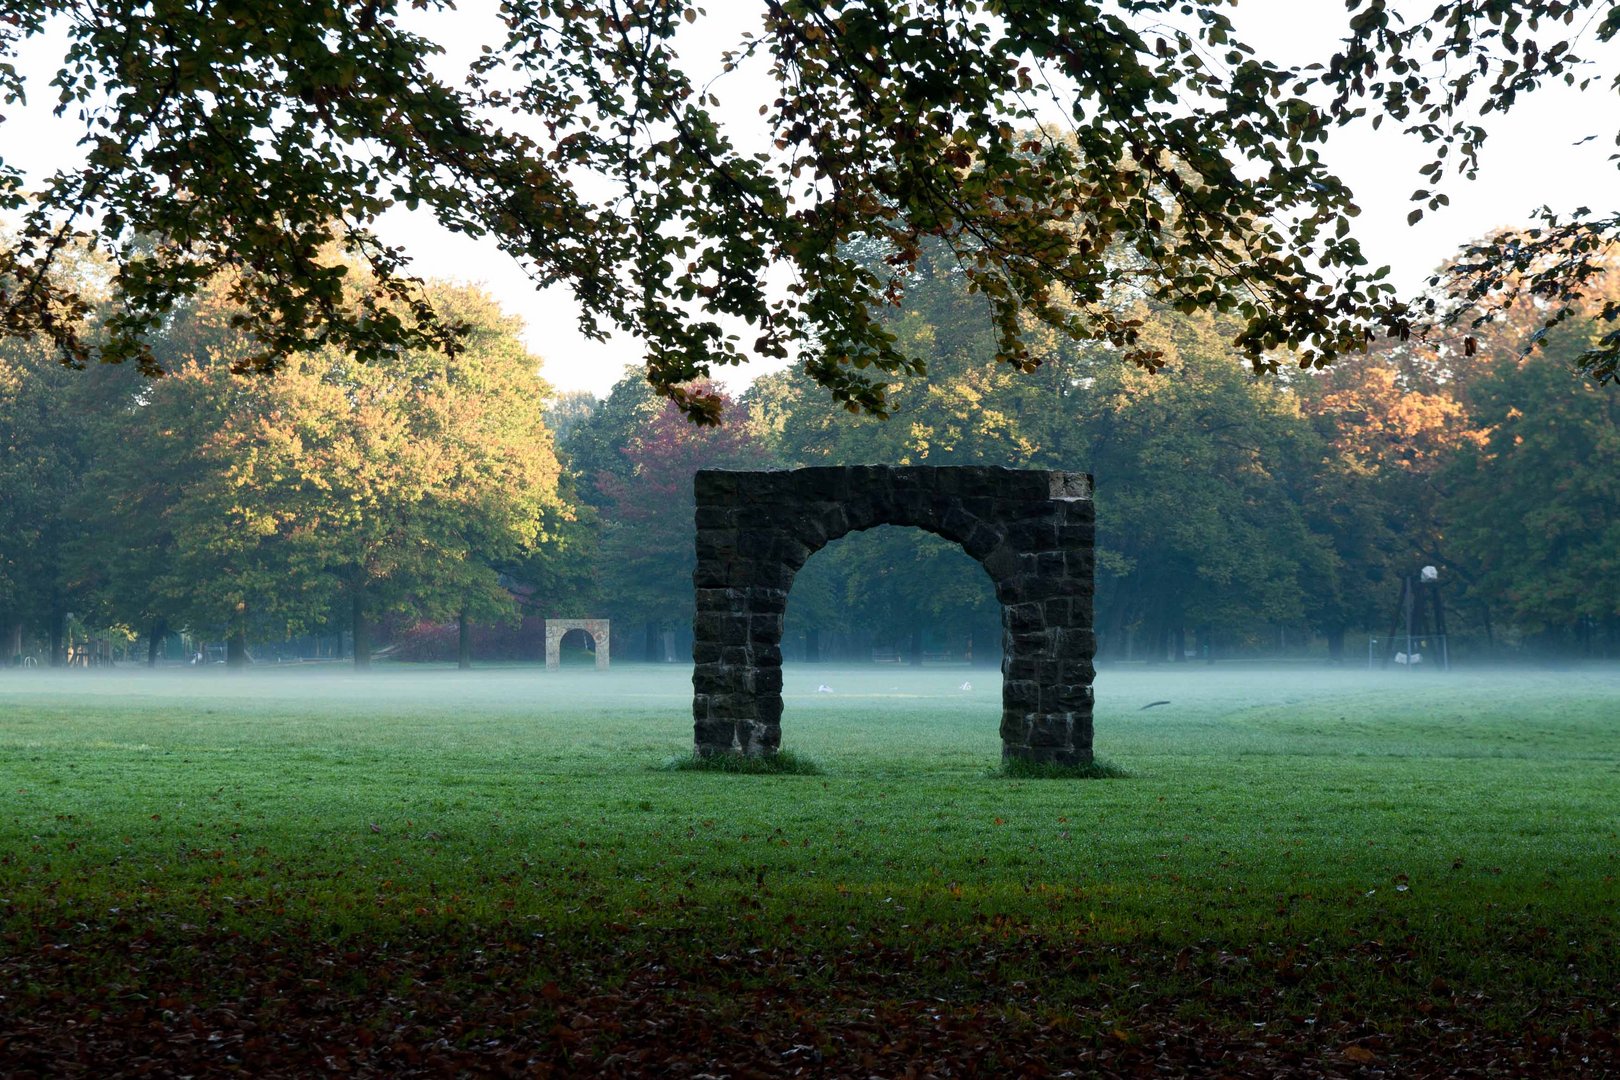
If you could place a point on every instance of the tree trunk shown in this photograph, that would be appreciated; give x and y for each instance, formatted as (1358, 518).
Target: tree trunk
(812, 646)
(1335, 642)
(463, 642)
(362, 632)
(916, 647)
(154, 645)
(14, 653)
(58, 633)
(1161, 644)
(236, 650)
(1121, 636)
(1180, 642)
(653, 643)
(236, 641)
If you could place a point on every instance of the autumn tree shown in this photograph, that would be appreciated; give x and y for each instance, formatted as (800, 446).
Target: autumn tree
(336, 489)
(595, 446)
(1388, 432)
(647, 553)
(1534, 498)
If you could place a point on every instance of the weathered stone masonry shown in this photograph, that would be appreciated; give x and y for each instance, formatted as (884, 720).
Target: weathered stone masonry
(1032, 531)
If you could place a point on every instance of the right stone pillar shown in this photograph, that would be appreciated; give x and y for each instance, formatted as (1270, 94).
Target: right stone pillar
(1045, 574)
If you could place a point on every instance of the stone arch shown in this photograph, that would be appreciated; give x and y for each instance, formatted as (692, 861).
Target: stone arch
(1032, 531)
(598, 629)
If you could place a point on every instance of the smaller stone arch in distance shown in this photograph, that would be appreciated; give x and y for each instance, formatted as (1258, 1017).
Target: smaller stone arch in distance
(598, 629)
(1032, 531)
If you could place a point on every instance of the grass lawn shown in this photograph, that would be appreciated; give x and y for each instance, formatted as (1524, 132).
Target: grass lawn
(496, 872)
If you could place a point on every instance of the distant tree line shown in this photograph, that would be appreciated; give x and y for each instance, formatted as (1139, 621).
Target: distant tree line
(1236, 514)
(439, 501)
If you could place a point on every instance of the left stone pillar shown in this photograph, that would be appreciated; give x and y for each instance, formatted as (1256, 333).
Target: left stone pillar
(741, 587)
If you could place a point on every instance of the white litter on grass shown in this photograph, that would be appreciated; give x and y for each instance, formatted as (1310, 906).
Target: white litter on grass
(824, 689)
(967, 686)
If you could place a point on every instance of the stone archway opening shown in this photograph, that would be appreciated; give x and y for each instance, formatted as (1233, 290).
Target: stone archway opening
(1032, 531)
(892, 594)
(598, 630)
(575, 642)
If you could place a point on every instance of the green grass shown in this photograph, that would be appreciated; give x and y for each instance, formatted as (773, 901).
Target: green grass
(781, 763)
(1095, 769)
(1340, 848)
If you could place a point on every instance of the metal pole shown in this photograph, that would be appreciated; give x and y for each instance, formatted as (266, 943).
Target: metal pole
(1407, 588)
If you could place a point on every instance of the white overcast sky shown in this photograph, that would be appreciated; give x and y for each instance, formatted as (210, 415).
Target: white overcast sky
(1530, 160)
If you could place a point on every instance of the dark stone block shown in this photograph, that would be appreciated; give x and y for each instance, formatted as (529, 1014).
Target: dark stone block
(720, 600)
(1019, 590)
(712, 574)
(757, 542)
(1056, 612)
(982, 540)
(724, 628)
(716, 487)
(1038, 534)
(1051, 564)
(1022, 618)
(1077, 537)
(711, 516)
(1019, 666)
(956, 524)
(759, 739)
(710, 678)
(1021, 695)
(1072, 697)
(1076, 642)
(763, 601)
(714, 735)
(1002, 563)
(822, 484)
(1015, 727)
(766, 575)
(1050, 731)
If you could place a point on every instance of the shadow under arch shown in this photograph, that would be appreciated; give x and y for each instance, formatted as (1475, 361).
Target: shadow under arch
(1032, 531)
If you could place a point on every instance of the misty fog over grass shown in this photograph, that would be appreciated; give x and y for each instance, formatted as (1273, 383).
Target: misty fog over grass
(922, 712)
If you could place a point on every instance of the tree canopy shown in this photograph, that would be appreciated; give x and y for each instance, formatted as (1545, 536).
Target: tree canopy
(1070, 157)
